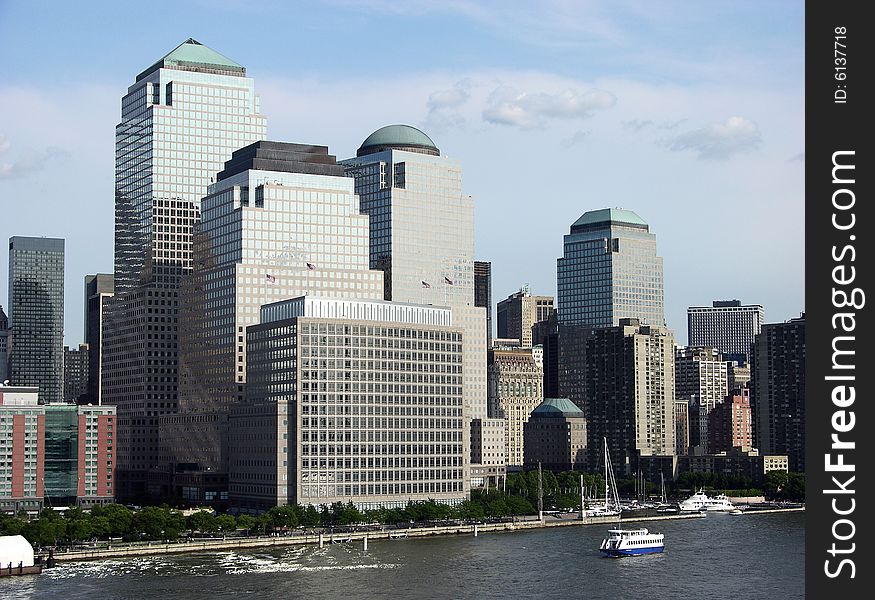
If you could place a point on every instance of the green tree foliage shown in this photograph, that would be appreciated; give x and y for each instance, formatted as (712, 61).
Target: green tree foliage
(226, 523)
(203, 521)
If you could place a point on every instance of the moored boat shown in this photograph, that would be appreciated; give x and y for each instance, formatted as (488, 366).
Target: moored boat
(632, 542)
(701, 501)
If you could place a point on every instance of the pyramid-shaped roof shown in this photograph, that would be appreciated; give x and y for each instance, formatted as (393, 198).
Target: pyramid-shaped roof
(191, 55)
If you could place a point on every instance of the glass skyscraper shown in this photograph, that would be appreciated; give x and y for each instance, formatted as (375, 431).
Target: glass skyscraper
(36, 315)
(610, 271)
(181, 120)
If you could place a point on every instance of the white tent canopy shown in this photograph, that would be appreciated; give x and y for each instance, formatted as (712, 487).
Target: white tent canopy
(15, 549)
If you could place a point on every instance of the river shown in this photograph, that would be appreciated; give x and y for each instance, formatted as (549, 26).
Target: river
(747, 557)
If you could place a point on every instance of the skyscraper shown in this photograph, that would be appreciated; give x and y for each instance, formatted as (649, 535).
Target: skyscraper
(519, 312)
(36, 315)
(727, 325)
(610, 271)
(181, 120)
(4, 346)
(483, 292)
(778, 390)
(281, 221)
(98, 291)
(422, 238)
(630, 389)
(701, 381)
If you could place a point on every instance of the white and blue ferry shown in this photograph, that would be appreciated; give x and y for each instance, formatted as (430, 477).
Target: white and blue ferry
(631, 542)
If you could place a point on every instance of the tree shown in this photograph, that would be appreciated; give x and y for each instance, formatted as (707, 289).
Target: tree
(775, 483)
(226, 523)
(247, 522)
(100, 526)
(119, 517)
(203, 521)
(150, 521)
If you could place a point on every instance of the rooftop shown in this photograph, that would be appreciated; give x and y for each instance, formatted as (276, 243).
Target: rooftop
(282, 156)
(191, 55)
(605, 216)
(398, 137)
(557, 407)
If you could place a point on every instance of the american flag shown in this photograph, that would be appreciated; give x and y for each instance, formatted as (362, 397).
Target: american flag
(271, 278)
(448, 280)
(425, 284)
(311, 267)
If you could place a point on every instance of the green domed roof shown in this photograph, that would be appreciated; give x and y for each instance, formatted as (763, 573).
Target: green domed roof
(557, 407)
(398, 137)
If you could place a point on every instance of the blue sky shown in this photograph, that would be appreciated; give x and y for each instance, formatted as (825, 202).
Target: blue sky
(690, 113)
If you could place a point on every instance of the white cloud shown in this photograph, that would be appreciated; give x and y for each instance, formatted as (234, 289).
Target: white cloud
(507, 106)
(577, 138)
(719, 141)
(30, 162)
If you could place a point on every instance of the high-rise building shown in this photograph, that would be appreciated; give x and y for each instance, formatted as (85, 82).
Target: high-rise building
(22, 429)
(349, 401)
(422, 238)
(98, 291)
(76, 368)
(483, 292)
(546, 334)
(181, 120)
(727, 325)
(737, 376)
(555, 436)
(630, 394)
(682, 426)
(730, 424)
(778, 390)
(36, 315)
(519, 312)
(4, 346)
(701, 380)
(516, 387)
(488, 462)
(281, 221)
(610, 271)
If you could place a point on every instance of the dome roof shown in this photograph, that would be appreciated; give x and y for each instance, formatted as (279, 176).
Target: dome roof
(398, 137)
(557, 407)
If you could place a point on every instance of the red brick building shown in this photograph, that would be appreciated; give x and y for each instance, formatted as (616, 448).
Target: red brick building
(22, 449)
(730, 423)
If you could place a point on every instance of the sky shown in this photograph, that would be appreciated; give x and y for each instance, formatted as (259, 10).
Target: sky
(690, 113)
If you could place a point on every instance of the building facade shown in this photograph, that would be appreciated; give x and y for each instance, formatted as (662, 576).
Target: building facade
(181, 120)
(682, 426)
(778, 391)
(36, 315)
(555, 437)
(700, 380)
(281, 221)
(488, 461)
(730, 424)
(76, 367)
(516, 387)
(349, 401)
(4, 345)
(727, 325)
(519, 312)
(22, 449)
(98, 290)
(610, 271)
(483, 292)
(630, 394)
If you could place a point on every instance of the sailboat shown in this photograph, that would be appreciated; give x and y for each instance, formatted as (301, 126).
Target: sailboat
(663, 505)
(611, 506)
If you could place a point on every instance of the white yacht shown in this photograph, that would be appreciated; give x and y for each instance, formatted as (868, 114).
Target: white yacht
(630, 542)
(701, 501)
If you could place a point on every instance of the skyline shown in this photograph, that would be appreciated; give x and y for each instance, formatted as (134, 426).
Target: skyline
(569, 104)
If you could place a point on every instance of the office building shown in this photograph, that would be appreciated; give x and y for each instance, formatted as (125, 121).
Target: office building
(98, 290)
(737, 376)
(488, 461)
(701, 380)
(181, 120)
(516, 387)
(555, 437)
(375, 418)
(22, 448)
(630, 394)
(726, 325)
(682, 426)
(76, 367)
(610, 271)
(422, 238)
(778, 391)
(730, 424)
(281, 221)
(483, 293)
(519, 312)
(36, 315)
